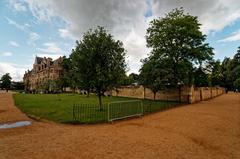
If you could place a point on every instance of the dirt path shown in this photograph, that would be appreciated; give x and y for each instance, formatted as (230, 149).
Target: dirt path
(8, 112)
(210, 129)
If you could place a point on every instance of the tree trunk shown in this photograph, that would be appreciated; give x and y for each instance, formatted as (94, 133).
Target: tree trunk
(100, 100)
(179, 93)
(88, 92)
(154, 95)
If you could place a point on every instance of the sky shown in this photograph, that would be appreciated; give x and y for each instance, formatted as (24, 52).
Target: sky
(30, 28)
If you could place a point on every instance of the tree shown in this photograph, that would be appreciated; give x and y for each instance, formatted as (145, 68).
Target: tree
(6, 81)
(134, 77)
(235, 67)
(236, 84)
(200, 78)
(216, 76)
(131, 79)
(98, 61)
(225, 69)
(18, 85)
(66, 79)
(177, 39)
(230, 69)
(152, 76)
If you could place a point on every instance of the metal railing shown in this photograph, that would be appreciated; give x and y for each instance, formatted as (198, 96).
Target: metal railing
(124, 109)
(91, 113)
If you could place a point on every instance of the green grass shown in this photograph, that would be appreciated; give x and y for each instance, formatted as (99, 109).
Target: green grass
(59, 107)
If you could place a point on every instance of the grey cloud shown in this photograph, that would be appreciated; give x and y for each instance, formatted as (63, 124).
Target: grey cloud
(125, 18)
(121, 18)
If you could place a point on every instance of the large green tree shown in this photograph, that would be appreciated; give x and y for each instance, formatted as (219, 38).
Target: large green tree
(6, 81)
(153, 75)
(230, 69)
(177, 40)
(98, 61)
(236, 84)
(67, 78)
(215, 74)
(201, 77)
(225, 69)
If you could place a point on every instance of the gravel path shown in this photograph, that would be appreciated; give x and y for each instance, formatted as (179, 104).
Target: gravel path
(210, 129)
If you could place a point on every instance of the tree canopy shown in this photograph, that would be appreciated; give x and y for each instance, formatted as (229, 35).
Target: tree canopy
(98, 61)
(177, 46)
(6, 81)
(176, 41)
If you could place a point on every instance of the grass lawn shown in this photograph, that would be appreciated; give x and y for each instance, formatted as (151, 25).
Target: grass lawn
(59, 107)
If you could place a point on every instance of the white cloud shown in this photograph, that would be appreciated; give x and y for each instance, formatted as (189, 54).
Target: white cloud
(25, 27)
(16, 71)
(17, 5)
(6, 54)
(64, 33)
(42, 10)
(33, 37)
(13, 43)
(14, 23)
(234, 37)
(51, 47)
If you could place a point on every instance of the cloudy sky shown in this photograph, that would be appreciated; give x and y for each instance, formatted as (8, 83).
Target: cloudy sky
(51, 27)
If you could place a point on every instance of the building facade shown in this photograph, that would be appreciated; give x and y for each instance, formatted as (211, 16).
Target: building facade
(44, 69)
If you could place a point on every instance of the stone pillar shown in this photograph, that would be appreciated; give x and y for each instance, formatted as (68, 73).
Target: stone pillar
(201, 93)
(191, 95)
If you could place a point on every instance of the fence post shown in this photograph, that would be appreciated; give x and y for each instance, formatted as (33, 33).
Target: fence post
(144, 92)
(108, 112)
(191, 95)
(201, 93)
(73, 112)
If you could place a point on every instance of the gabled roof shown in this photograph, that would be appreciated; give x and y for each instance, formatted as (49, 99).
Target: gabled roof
(38, 60)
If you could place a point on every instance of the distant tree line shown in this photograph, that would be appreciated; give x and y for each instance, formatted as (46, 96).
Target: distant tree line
(6, 83)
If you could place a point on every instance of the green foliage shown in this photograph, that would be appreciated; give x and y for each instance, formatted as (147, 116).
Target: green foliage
(236, 84)
(154, 75)
(230, 70)
(98, 61)
(130, 79)
(134, 77)
(200, 78)
(177, 44)
(49, 86)
(67, 79)
(17, 86)
(225, 69)
(6, 81)
(215, 77)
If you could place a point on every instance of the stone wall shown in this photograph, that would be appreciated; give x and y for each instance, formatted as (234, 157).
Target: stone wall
(187, 94)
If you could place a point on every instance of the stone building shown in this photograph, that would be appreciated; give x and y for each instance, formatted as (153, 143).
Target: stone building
(44, 69)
